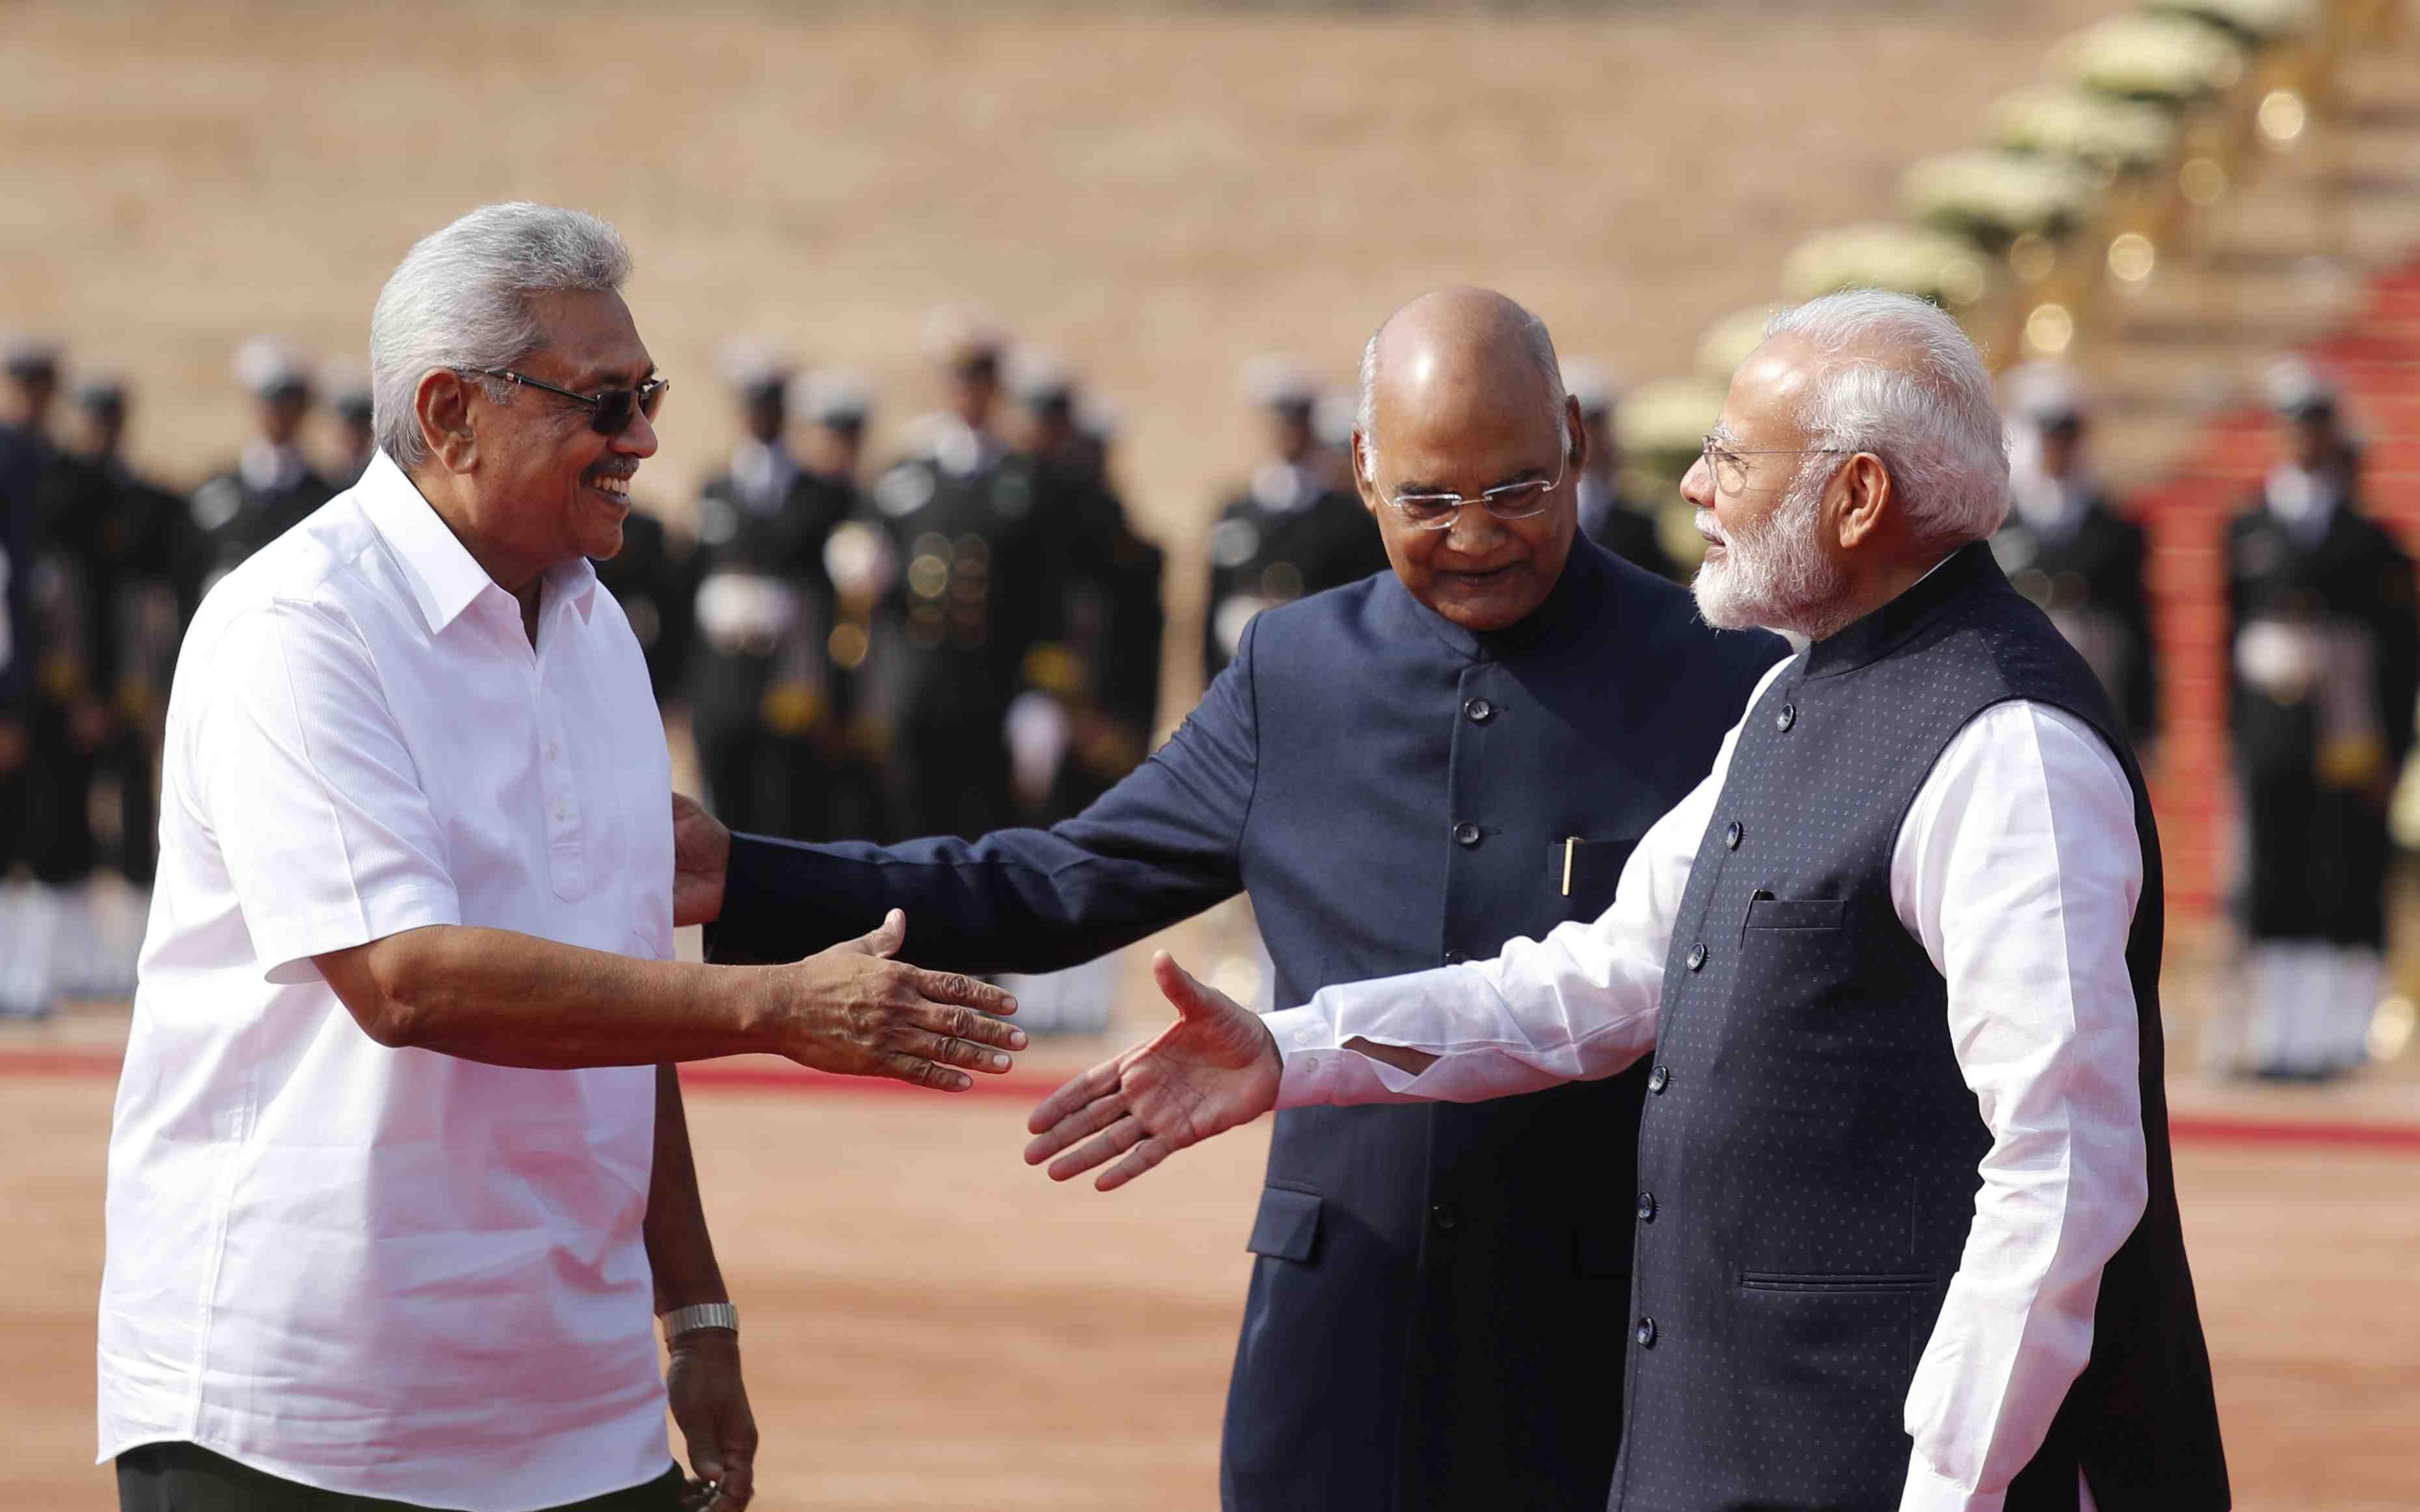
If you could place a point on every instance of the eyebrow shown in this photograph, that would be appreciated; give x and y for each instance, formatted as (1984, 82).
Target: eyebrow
(1528, 474)
(601, 377)
(1721, 436)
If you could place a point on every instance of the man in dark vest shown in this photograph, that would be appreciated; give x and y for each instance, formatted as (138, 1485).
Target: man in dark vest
(1906, 1224)
(1407, 770)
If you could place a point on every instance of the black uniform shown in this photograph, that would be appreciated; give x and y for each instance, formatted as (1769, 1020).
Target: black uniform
(1436, 1312)
(769, 709)
(232, 517)
(1621, 528)
(116, 545)
(23, 459)
(654, 578)
(2317, 747)
(971, 600)
(1292, 533)
(2089, 577)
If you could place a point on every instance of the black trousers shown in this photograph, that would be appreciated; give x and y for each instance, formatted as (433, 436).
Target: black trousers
(186, 1477)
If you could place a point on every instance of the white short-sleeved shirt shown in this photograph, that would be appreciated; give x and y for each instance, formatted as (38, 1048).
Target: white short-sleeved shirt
(388, 1273)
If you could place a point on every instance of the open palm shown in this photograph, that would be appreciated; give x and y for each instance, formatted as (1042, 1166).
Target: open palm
(1214, 1068)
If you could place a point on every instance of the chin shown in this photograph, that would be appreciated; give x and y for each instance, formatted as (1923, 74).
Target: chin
(603, 544)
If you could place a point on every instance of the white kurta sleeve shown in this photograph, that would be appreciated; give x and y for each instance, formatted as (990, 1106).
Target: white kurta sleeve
(303, 778)
(2019, 869)
(1577, 1005)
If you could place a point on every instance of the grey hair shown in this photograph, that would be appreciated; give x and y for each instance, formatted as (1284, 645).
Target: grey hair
(1905, 384)
(1535, 342)
(465, 298)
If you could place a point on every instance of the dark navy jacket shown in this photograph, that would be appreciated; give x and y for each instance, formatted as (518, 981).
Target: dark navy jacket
(1439, 1302)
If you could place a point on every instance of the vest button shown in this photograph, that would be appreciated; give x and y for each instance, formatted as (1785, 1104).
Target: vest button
(1645, 1334)
(1788, 717)
(1465, 834)
(1480, 711)
(1660, 1078)
(1697, 957)
(1731, 835)
(1646, 1206)
(1445, 1216)
(1455, 958)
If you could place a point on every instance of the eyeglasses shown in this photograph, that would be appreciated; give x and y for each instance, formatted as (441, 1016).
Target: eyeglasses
(1512, 501)
(612, 407)
(1730, 474)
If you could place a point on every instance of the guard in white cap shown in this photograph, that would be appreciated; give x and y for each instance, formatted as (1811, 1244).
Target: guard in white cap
(272, 485)
(1613, 521)
(1296, 529)
(2325, 657)
(2066, 546)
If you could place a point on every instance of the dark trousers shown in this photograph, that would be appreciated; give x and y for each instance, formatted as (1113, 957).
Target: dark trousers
(185, 1478)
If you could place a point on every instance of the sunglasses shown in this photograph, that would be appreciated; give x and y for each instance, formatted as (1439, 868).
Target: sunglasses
(613, 408)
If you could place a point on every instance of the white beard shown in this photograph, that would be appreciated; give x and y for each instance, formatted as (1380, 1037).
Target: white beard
(1777, 577)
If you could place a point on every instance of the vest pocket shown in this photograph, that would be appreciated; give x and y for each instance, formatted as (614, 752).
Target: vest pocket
(1795, 913)
(1287, 1225)
(1880, 1281)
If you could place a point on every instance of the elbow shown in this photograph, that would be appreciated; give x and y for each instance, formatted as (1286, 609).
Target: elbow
(391, 996)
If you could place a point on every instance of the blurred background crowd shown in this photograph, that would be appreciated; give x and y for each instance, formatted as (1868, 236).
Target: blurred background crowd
(919, 602)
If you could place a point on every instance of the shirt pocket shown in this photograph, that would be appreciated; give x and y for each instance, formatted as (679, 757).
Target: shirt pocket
(1582, 874)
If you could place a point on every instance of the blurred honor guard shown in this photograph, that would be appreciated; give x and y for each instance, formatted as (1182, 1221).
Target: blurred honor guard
(118, 542)
(2066, 548)
(655, 575)
(1297, 530)
(1606, 518)
(348, 405)
(969, 603)
(273, 486)
(2320, 606)
(28, 908)
(759, 687)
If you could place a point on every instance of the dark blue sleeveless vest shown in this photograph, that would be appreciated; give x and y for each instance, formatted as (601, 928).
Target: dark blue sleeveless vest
(1808, 1150)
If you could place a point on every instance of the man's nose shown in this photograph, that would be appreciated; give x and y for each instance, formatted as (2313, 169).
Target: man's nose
(1475, 530)
(1697, 485)
(638, 438)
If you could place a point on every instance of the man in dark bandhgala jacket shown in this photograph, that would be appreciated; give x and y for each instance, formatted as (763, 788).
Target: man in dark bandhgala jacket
(1905, 1219)
(1406, 771)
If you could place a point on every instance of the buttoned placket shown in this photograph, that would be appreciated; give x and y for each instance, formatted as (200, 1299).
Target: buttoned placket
(558, 787)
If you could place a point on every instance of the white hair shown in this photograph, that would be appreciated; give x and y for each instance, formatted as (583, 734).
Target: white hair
(1904, 382)
(465, 298)
(1535, 342)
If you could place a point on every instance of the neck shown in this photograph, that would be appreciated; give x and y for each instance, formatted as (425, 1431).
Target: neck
(515, 572)
(1873, 585)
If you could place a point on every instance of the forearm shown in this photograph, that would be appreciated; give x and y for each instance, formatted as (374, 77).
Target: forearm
(514, 1000)
(680, 1251)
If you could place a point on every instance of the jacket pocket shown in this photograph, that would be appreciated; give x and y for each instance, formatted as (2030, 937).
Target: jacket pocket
(1795, 913)
(1287, 1225)
(1843, 1281)
(1581, 874)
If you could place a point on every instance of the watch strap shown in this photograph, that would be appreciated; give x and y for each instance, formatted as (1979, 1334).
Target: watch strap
(696, 1316)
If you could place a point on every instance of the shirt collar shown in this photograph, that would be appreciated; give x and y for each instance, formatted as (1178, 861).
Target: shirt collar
(444, 578)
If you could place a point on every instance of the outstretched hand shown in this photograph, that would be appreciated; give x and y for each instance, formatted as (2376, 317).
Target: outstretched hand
(701, 855)
(1214, 1068)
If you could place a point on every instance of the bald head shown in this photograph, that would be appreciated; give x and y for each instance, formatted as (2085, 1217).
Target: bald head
(1457, 349)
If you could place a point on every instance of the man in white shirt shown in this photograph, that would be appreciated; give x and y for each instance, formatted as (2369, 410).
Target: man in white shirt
(400, 1171)
(1906, 1222)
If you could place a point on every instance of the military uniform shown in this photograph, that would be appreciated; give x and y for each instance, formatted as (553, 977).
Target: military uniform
(25, 906)
(2082, 563)
(1621, 528)
(654, 578)
(265, 494)
(1295, 531)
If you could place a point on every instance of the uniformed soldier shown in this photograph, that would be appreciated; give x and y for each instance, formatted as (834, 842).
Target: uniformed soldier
(967, 604)
(27, 909)
(2325, 652)
(273, 486)
(1298, 529)
(762, 703)
(349, 404)
(2066, 548)
(116, 542)
(654, 578)
(1610, 519)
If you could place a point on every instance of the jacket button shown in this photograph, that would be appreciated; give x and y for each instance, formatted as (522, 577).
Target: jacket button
(1660, 1078)
(1731, 835)
(1465, 834)
(1788, 717)
(1455, 958)
(1697, 957)
(1645, 1334)
(1480, 711)
(1446, 1215)
(1646, 1206)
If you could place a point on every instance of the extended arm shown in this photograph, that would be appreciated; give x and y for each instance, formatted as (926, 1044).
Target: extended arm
(2019, 869)
(1158, 848)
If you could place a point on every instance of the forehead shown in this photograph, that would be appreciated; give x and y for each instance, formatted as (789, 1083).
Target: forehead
(1767, 391)
(1439, 425)
(590, 339)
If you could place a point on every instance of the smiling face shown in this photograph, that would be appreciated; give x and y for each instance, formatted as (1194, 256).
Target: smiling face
(546, 488)
(1461, 408)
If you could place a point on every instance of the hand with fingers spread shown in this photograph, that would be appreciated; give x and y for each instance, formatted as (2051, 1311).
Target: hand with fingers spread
(1214, 1067)
(854, 1011)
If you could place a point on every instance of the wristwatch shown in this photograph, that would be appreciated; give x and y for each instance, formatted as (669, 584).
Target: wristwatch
(696, 1316)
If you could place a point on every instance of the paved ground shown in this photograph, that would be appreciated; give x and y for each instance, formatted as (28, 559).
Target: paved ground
(932, 1325)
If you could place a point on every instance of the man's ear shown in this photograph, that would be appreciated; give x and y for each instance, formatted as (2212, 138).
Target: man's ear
(442, 404)
(1358, 457)
(1866, 500)
(1576, 429)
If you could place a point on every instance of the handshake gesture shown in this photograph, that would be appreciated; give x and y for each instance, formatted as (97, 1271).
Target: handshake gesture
(1214, 1067)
